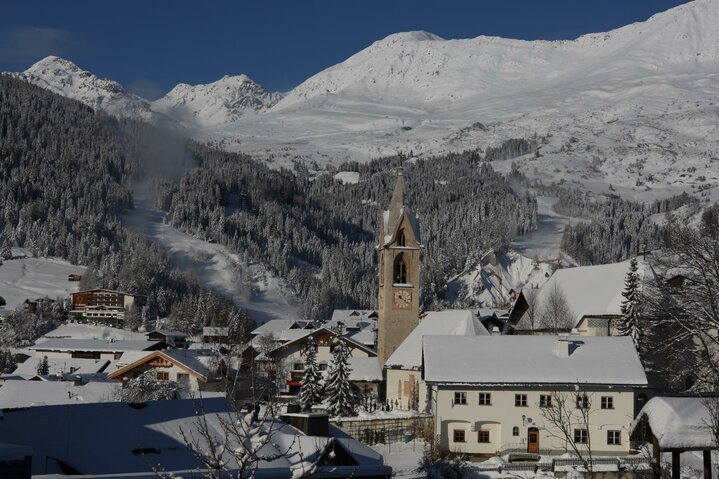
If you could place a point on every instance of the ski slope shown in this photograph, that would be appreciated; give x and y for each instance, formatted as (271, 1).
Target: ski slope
(252, 288)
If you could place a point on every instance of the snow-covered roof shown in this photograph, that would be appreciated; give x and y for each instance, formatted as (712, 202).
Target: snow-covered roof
(497, 360)
(345, 315)
(169, 333)
(349, 341)
(364, 337)
(460, 322)
(193, 360)
(151, 435)
(365, 369)
(591, 290)
(95, 345)
(292, 334)
(678, 422)
(19, 393)
(277, 325)
(61, 365)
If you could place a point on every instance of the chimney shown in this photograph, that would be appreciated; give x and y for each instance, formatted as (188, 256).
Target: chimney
(311, 423)
(563, 345)
(495, 331)
(77, 381)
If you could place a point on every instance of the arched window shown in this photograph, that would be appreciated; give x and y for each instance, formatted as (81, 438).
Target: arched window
(515, 431)
(400, 269)
(400, 238)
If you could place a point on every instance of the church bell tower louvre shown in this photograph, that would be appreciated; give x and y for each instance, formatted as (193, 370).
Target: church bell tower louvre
(399, 272)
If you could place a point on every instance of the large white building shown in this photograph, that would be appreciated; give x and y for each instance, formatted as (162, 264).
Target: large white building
(494, 393)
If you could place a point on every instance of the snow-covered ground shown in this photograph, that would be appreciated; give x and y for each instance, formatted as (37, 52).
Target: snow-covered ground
(544, 242)
(251, 287)
(89, 331)
(26, 277)
(404, 458)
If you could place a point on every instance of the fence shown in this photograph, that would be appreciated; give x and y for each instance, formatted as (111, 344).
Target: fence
(385, 430)
(625, 462)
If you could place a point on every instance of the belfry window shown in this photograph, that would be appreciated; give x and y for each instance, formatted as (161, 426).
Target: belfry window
(400, 238)
(400, 270)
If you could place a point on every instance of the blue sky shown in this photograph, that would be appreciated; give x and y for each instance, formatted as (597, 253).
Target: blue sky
(151, 45)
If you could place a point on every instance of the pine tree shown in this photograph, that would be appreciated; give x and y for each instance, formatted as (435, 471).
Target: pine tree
(310, 387)
(631, 319)
(340, 400)
(6, 251)
(43, 368)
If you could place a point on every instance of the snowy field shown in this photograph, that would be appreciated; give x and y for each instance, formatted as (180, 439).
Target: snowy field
(25, 277)
(251, 287)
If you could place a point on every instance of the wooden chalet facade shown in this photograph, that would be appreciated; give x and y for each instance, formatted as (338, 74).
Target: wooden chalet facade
(103, 305)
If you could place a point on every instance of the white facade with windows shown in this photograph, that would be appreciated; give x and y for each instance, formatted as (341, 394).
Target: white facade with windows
(492, 394)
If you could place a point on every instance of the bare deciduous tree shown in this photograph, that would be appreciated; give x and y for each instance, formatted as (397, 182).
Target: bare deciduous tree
(555, 314)
(567, 418)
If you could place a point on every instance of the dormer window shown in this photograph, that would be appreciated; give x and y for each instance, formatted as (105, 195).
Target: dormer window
(400, 270)
(400, 238)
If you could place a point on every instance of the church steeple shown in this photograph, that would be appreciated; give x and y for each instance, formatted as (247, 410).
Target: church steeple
(399, 249)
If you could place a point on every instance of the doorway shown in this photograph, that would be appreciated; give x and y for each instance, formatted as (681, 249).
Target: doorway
(533, 440)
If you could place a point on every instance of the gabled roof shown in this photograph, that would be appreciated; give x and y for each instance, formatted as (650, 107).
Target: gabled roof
(61, 365)
(101, 345)
(504, 360)
(460, 322)
(277, 325)
(322, 330)
(168, 333)
(185, 359)
(591, 290)
(678, 422)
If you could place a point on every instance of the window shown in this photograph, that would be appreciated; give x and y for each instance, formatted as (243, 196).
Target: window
(614, 438)
(483, 436)
(520, 400)
(163, 375)
(545, 400)
(298, 367)
(400, 238)
(459, 435)
(460, 398)
(400, 269)
(607, 402)
(183, 377)
(485, 399)
(581, 436)
(582, 401)
(323, 366)
(515, 431)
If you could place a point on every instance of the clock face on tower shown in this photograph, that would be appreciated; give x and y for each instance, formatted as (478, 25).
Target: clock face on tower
(402, 299)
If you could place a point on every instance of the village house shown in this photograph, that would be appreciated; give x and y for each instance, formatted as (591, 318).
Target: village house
(103, 305)
(593, 296)
(175, 339)
(276, 326)
(92, 348)
(191, 370)
(494, 394)
(290, 355)
(405, 389)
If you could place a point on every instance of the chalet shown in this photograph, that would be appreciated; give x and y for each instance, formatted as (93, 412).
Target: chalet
(676, 425)
(290, 354)
(494, 394)
(92, 348)
(175, 339)
(192, 371)
(215, 335)
(103, 305)
(405, 388)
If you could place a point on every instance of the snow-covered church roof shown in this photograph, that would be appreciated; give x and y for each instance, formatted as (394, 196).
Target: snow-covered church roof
(460, 322)
(591, 290)
(678, 422)
(498, 360)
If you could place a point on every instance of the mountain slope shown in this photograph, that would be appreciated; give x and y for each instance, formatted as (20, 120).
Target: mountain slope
(223, 101)
(67, 79)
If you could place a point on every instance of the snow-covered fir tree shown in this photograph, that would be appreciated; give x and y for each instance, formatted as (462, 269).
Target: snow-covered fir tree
(310, 386)
(630, 324)
(6, 250)
(340, 400)
(43, 368)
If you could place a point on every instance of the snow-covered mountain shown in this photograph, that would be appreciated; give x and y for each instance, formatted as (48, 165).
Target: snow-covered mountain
(633, 110)
(220, 102)
(67, 79)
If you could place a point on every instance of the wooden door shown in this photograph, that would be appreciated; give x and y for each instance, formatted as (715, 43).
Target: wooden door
(533, 440)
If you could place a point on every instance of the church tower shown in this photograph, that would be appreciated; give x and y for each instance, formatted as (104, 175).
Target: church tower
(399, 248)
